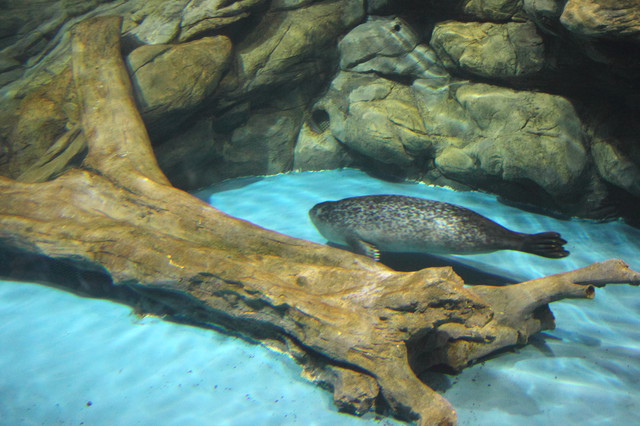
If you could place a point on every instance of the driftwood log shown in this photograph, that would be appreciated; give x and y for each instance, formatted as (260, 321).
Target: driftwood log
(364, 329)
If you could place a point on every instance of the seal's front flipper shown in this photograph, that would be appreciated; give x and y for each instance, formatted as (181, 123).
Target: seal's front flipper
(363, 247)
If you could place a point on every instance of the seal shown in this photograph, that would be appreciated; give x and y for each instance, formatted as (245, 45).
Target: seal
(397, 223)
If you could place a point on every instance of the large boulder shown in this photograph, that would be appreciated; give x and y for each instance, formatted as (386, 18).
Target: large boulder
(522, 136)
(378, 37)
(387, 46)
(616, 167)
(288, 49)
(170, 81)
(264, 144)
(498, 51)
(240, 142)
(167, 21)
(375, 117)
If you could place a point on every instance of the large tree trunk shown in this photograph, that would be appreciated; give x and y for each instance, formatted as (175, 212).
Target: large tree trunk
(357, 324)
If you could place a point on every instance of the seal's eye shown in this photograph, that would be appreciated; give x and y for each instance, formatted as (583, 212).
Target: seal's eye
(396, 27)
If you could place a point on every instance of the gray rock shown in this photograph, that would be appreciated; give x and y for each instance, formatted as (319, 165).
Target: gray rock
(317, 149)
(446, 122)
(615, 167)
(19, 17)
(528, 136)
(201, 16)
(375, 117)
(495, 10)
(262, 146)
(387, 37)
(162, 21)
(490, 50)
(174, 79)
(388, 46)
(288, 49)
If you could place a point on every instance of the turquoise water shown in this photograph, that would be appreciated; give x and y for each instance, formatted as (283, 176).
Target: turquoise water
(60, 351)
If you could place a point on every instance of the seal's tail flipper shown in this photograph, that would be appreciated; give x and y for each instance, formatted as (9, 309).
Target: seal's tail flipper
(545, 244)
(365, 248)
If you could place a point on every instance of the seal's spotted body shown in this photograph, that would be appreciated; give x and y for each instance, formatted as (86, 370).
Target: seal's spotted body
(406, 224)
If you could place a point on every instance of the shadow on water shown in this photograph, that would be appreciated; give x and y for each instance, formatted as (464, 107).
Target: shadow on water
(408, 262)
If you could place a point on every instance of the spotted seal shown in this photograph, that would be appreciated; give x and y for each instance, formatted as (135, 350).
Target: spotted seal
(399, 223)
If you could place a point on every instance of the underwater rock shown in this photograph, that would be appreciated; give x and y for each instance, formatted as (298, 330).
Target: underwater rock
(162, 21)
(499, 51)
(492, 10)
(603, 18)
(26, 25)
(172, 80)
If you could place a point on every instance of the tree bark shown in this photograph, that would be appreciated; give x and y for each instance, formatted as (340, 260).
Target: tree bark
(360, 326)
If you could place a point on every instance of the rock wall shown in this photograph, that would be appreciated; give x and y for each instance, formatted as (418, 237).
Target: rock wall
(535, 100)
